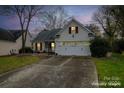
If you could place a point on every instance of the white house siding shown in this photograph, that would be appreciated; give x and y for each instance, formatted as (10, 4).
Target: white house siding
(28, 41)
(43, 46)
(66, 44)
(81, 36)
(6, 46)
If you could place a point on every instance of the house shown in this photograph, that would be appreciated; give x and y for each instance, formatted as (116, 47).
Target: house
(45, 41)
(72, 39)
(10, 41)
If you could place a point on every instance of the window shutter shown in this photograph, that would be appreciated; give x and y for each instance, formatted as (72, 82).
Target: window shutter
(69, 30)
(36, 46)
(40, 46)
(32, 45)
(76, 29)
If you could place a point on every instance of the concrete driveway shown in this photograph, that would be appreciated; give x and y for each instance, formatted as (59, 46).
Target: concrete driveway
(54, 72)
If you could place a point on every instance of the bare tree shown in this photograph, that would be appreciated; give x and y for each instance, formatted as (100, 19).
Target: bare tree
(118, 13)
(107, 22)
(24, 13)
(54, 18)
(95, 29)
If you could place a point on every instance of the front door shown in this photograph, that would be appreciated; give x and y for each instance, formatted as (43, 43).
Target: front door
(51, 47)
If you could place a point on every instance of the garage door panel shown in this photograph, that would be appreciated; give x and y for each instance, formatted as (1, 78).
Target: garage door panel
(73, 48)
(77, 50)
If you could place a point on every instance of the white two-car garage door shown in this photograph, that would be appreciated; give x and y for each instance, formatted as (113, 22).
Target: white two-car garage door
(79, 50)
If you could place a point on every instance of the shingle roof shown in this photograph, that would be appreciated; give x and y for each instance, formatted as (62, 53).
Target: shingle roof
(46, 35)
(6, 35)
(16, 33)
(11, 35)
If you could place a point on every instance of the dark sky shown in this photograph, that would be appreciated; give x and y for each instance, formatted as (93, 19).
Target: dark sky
(81, 13)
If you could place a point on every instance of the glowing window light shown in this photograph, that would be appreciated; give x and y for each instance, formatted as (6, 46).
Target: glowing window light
(52, 45)
(73, 28)
(38, 46)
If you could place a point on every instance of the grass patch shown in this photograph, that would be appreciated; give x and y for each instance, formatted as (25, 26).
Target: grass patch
(110, 71)
(13, 62)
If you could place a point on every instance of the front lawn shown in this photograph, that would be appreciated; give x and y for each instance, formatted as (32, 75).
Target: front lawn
(110, 71)
(13, 62)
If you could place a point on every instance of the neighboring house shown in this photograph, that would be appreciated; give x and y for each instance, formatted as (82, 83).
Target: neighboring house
(73, 39)
(11, 42)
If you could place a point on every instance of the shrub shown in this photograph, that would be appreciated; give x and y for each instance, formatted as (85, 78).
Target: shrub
(118, 46)
(99, 47)
(26, 50)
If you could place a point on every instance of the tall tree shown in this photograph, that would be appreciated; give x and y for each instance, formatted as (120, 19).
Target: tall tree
(25, 13)
(54, 18)
(118, 13)
(104, 17)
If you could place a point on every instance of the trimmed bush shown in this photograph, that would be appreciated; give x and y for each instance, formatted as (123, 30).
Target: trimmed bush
(99, 47)
(118, 46)
(26, 50)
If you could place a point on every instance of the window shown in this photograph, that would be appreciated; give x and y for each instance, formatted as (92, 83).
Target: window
(57, 36)
(53, 45)
(39, 46)
(73, 29)
(69, 43)
(90, 35)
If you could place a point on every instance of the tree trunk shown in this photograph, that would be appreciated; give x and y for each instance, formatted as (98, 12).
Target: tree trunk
(23, 43)
(111, 39)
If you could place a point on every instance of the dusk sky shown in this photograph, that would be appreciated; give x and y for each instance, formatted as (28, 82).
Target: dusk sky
(81, 13)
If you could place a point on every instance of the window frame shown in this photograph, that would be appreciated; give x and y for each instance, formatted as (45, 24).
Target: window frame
(73, 29)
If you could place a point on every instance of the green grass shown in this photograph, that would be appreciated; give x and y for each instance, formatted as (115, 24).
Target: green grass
(13, 62)
(110, 70)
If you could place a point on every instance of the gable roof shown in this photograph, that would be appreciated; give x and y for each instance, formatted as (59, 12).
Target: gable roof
(9, 35)
(74, 20)
(16, 33)
(50, 35)
(46, 35)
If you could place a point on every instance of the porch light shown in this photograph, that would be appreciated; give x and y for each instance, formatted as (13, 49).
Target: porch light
(52, 45)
